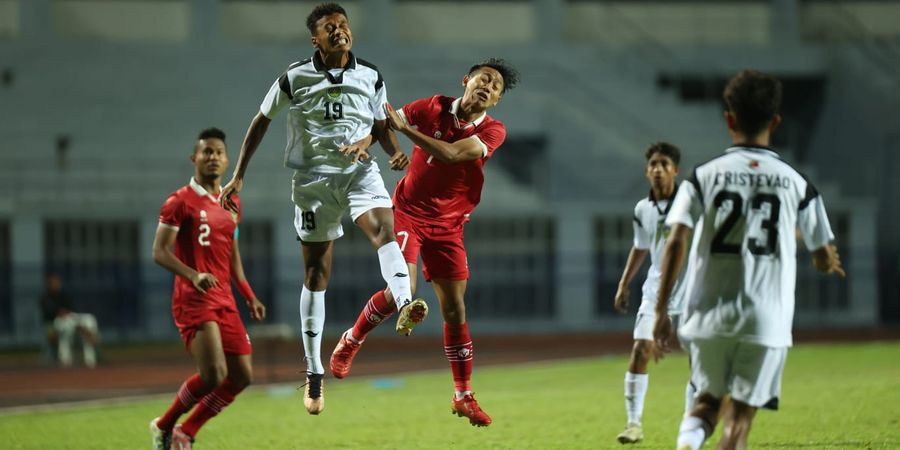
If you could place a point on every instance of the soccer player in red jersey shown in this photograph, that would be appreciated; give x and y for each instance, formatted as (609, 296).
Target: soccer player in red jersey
(205, 260)
(453, 139)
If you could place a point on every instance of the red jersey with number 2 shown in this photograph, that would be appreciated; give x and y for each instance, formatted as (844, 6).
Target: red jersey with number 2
(440, 193)
(206, 233)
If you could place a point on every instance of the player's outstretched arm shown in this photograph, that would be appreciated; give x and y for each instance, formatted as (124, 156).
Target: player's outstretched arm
(462, 150)
(255, 133)
(636, 258)
(828, 261)
(673, 258)
(257, 309)
(164, 256)
(388, 140)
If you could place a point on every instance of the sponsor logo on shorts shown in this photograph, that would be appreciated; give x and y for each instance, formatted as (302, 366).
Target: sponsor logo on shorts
(380, 197)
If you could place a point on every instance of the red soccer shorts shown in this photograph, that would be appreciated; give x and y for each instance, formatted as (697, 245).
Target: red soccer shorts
(235, 340)
(442, 249)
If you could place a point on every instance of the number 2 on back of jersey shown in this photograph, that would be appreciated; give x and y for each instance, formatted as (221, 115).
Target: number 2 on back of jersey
(334, 111)
(770, 224)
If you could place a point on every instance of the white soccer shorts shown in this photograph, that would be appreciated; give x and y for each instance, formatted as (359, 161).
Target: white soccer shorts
(643, 325)
(750, 373)
(320, 201)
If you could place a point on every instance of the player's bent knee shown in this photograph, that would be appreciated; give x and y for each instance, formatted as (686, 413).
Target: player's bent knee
(214, 375)
(243, 380)
(642, 350)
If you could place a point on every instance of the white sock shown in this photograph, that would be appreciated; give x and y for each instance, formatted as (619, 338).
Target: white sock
(395, 273)
(460, 394)
(312, 321)
(691, 433)
(635, 391)
(689, 393)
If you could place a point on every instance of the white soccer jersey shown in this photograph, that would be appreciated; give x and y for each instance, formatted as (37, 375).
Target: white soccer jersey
(744, 207)
(328, 109)
(650, 233)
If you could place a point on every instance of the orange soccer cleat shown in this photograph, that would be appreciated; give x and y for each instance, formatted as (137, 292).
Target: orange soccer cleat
(342, 356)
(468, 407)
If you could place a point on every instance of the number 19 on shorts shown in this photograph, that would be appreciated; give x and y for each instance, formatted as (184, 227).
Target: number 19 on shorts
(308, 220)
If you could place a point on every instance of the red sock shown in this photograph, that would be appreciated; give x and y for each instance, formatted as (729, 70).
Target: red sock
(211, 405)
(190, 392)
(376, 310)
(459, 350)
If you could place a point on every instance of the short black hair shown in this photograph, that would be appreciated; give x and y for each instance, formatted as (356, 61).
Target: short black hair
(211, 132)
(754, 98)
(665, 149)
(507, 71)
(320, 11)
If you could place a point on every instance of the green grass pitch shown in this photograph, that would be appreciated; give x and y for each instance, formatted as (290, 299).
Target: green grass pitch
(834, 397)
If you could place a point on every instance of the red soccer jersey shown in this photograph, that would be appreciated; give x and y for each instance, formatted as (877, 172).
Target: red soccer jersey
(204, 242)
(439, 193)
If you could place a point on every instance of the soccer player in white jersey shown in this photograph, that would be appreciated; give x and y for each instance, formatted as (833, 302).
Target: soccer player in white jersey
(650, 232)
(335, 105)
(744, 207)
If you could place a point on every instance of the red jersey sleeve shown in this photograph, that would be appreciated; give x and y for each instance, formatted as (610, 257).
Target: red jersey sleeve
(172, 212)
(492, 136)
(415, 112)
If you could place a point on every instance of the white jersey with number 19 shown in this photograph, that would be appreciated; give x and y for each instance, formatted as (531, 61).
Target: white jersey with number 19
(744, 207)
(328, 109)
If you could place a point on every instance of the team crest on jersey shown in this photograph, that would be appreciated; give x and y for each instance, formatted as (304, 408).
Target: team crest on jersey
(662, 230)
(334, 92)
(437, 134)
(203, 215)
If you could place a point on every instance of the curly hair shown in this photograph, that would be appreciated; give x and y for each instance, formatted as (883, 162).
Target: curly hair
(507, 71)
(320, 11)
(754, 98)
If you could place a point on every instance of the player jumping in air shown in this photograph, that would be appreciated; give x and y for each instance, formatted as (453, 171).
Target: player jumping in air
(453, 138)
(650, 232)
(205, 260)
(335, 106)
(744, 207)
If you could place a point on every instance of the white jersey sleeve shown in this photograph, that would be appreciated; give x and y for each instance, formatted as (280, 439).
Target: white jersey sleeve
(379, 100)
(277, 98)
(813, 221)
(687, 206)
(642, 239)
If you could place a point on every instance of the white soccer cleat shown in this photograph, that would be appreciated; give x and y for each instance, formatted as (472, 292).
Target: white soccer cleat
(631, 435)
(161, 439)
